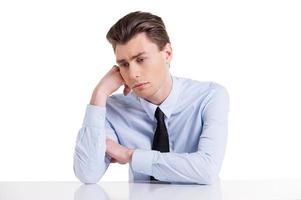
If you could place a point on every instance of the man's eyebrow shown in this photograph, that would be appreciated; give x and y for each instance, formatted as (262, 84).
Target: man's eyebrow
(133, 57)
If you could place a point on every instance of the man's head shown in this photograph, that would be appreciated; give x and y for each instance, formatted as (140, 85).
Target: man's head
(143, 52)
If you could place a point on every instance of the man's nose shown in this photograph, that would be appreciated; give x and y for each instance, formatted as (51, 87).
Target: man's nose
(134, 71)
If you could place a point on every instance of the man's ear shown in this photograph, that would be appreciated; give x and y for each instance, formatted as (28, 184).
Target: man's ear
(167, 52)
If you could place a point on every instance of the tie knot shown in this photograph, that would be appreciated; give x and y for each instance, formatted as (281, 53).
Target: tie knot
(159, 114)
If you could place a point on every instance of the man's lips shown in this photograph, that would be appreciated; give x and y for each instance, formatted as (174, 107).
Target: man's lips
(139, 84)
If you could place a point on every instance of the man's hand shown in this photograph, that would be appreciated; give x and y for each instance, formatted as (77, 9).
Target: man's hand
(118, 153)
(111, 81)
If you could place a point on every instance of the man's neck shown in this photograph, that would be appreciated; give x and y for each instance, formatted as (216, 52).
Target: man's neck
(162, 93)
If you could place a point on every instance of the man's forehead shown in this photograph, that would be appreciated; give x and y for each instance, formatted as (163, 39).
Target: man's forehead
(139, 43)
(124, 51)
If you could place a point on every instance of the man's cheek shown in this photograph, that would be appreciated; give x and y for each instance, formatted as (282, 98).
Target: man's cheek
(125, 78)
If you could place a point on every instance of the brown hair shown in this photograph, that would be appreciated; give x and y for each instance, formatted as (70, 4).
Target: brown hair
(138, 22)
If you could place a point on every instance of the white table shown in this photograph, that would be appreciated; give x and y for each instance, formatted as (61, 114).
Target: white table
(222, 190)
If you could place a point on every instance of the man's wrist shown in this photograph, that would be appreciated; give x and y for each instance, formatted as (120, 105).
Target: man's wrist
(99, 98)
(130, 154)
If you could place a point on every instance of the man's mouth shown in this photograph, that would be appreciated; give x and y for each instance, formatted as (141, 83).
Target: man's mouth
(139, 84)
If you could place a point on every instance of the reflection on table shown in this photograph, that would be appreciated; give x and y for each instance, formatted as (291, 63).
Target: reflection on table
(221, 190)
(148, 191)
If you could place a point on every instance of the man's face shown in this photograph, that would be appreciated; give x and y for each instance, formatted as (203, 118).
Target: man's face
(141, 62)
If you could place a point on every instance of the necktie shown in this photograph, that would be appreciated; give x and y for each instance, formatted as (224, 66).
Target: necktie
(160, 141)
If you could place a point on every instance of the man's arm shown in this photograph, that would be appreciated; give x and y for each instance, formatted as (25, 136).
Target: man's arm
(200, 167)
(90, 160)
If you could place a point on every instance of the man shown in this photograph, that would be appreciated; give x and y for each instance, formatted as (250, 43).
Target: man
(167, 128)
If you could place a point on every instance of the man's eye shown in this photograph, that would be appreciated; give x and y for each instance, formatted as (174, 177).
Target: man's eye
(140, 60)
(124, 64)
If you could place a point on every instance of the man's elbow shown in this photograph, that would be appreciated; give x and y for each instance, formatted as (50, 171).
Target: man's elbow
(86, 176)
(88, 179)
(210, 178)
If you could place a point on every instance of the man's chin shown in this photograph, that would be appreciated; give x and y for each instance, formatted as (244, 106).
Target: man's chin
(142, 94)
(146, 95)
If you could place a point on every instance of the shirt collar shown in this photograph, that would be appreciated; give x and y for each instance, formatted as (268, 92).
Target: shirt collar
(166, 106)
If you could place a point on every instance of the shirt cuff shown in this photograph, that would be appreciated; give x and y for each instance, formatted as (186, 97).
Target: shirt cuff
(95, 116)
(142, 161)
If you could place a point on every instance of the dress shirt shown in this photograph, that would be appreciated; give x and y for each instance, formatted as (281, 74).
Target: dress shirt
(196, 117)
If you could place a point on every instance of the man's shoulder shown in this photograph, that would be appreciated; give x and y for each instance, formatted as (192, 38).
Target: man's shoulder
(193, 86)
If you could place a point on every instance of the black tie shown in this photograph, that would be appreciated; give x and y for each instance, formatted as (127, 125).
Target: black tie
(160, 141)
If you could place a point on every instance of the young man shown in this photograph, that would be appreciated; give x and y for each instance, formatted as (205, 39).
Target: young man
(167, 128)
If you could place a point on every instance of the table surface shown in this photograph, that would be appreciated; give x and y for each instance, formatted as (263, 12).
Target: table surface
(221, 190)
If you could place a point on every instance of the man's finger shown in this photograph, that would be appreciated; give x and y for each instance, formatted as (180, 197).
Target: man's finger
(126, 90)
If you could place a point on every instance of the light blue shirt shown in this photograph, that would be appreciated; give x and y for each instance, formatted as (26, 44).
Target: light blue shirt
(196, 118)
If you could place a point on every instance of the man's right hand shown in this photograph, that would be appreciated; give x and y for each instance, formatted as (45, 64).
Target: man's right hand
(111, 81)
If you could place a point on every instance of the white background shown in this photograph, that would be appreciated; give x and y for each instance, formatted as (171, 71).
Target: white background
(53, 53)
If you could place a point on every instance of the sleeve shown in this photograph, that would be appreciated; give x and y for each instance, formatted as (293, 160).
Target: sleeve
(90, 160)
(202, 166)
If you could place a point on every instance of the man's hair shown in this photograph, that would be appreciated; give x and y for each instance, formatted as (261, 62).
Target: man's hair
(138, 22)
